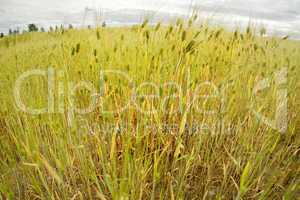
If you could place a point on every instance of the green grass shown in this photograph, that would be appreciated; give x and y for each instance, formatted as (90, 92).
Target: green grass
(57, 156)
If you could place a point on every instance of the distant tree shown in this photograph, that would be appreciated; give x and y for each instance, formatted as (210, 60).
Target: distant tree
(70, 26)
(32, 28)
(51, 29)
(13, 32)
(1, 35)
(263, 31)
(104, 24)
(42, 29)
(56, 28)
(89, 27)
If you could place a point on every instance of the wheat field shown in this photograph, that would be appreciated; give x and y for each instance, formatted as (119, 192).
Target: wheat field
(174, 114)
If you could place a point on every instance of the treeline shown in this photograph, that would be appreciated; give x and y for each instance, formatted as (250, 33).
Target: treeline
(34, 28)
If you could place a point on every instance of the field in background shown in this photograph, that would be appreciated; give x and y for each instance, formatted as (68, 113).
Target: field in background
(153, 149)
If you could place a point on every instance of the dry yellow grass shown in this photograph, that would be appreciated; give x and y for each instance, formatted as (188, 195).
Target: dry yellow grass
(167, 147)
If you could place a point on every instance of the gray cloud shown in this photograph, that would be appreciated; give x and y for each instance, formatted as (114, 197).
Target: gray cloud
(280, 14)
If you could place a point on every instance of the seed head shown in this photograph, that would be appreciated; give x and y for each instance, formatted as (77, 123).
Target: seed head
(157, 26)
(144, 23)
(183, 36)
(98, 35)
(77, 47)
(73, 51)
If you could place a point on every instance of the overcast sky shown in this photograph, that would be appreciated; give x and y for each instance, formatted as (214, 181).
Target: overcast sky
(280, 14)
(255, 5)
